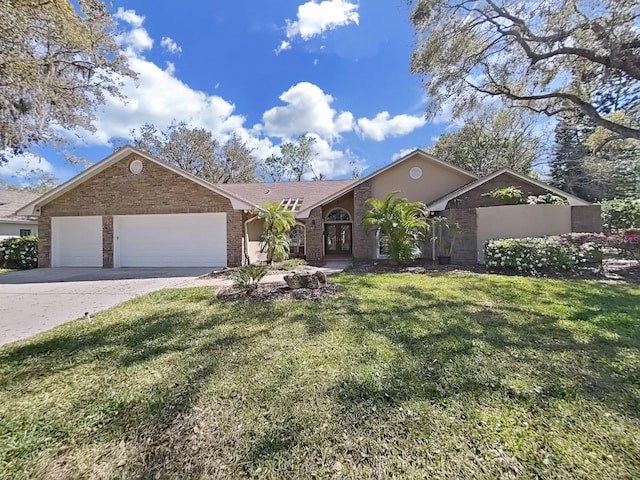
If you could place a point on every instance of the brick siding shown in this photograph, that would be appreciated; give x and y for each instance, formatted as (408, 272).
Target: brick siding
(157, 190)
(465, 246)
(315, 236)
(363, 242)
(475, 198)
(586, 218)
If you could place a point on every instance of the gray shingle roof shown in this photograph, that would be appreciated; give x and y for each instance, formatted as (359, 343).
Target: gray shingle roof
(308, 192)
(11, 200)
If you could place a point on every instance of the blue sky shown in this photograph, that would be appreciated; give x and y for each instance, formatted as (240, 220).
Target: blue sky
(267, 71)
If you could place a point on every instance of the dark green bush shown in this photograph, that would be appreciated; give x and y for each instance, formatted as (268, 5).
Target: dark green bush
(620, 214)
(248, 277)
(19, 252)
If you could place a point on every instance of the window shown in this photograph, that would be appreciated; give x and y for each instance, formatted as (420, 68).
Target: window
(383, 250)
(25, 232)
(297, 241)
(338, 215)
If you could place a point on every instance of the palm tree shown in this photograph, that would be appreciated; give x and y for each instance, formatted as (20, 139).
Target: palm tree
(404, 223)
(277, 222)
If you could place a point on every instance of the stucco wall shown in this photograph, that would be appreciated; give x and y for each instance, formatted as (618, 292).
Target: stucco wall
(9, 230)
(517, 221)
(157, 190)
(436, 181)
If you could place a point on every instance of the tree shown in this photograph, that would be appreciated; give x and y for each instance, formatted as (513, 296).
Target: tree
(567, 167)
(493, 140)
(593, 162)
(34, 180)
(58, 61)
(404, 223)
(196, 151)
(294, 162)
(277, 221)
(549, 57)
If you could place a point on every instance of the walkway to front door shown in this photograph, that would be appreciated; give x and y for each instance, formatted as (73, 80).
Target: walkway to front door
(337, 238)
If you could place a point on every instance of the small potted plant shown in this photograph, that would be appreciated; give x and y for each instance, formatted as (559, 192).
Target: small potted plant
(444, 238)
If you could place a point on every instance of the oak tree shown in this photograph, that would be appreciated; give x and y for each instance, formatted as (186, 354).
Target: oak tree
(58, 62)
(547, 56)
(198, 152)
(490, 141)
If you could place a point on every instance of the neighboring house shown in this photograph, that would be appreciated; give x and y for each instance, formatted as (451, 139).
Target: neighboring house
(133, 210)
(12, 225)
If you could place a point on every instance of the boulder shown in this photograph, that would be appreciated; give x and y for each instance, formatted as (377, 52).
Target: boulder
(305, 277)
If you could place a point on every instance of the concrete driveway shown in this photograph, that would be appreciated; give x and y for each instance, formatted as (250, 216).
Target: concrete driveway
(32, 301)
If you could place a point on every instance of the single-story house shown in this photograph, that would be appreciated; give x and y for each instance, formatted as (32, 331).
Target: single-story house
(133, 210)
(12, 225)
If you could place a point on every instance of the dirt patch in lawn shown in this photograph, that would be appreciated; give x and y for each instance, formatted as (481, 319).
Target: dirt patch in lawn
(614, 269)
(271, 292)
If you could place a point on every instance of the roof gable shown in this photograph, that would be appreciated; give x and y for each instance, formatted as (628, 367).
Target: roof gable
(441, 203)
(424, 155)
(34, 206)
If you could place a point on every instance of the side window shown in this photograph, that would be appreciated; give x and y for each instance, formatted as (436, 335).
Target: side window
(25, 232)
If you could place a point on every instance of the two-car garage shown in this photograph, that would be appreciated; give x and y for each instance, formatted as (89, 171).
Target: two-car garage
(155, 240)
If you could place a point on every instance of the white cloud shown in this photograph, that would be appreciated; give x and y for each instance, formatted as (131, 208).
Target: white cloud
(18, 164)
(136, 40)
(170, 45)
(332, 163)
(157, 97)
(283, 46)
(401, 153)
(383, 125)
(308, 109)
(160, 98)
(316, 18)
(130, 17)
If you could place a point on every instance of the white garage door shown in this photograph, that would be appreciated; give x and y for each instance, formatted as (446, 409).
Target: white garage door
(177, 240)
(76, 241)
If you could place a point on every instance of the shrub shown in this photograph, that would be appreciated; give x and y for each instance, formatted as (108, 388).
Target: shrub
(289, 264)
(620, 214)
(546, 199)
(510, 194)
(19, 252)
(248, 277)
(534, 255)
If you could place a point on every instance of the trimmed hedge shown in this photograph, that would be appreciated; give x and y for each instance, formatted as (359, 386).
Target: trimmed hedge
(537, 255)
(19, 252)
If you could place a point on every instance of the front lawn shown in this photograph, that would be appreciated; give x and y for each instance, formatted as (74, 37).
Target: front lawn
(399, 376)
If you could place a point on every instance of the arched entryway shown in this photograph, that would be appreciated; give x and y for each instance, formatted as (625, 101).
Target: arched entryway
(337, 232)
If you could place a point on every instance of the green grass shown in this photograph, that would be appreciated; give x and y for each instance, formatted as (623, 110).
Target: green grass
(7, 270)
(400, 376)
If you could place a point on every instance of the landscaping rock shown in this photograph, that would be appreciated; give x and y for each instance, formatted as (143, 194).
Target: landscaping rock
(305, 277)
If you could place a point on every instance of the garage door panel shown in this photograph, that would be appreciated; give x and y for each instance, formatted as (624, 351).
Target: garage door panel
(76, 241)
(173, 240)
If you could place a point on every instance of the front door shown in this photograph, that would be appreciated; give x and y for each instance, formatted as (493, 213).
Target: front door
(337, 238)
